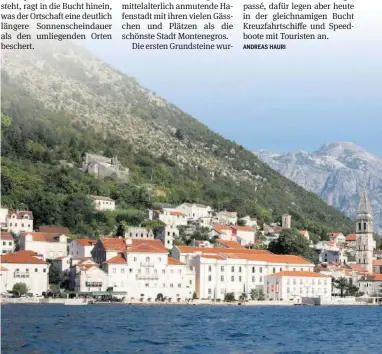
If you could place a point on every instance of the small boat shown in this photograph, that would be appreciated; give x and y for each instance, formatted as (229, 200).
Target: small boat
(76, 302)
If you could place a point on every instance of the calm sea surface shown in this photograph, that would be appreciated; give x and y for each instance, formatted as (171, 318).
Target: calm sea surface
(116, 329)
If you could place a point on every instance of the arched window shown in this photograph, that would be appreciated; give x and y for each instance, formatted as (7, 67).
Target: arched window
(359, 226)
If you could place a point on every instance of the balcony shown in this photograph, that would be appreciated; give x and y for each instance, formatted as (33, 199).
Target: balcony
(147, 277)
(93, 285)
(21, 274)
(147, 265)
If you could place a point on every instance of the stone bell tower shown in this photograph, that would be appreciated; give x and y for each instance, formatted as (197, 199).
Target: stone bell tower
(364, 231)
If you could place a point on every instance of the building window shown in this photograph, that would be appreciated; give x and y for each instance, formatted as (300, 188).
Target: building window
(261, 279)
(222, 278)
(364, 226)
(274, 270)
(222, 269)
(239, 269)
(209, 278)
(179, 285)
(44, 270)
(209, 268)
(232, 278)
(240, 278)
(281, 269)
(135, 259)
(261, 269)
(253, 269)
(4, 243)
(131, 270)
(253, 279)
(232, 269)
(36, 270)
(359, 226)
(171, 285)
(123, 270)
(209, 291)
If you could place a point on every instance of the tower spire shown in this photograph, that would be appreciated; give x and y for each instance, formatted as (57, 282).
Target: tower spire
(364, 204)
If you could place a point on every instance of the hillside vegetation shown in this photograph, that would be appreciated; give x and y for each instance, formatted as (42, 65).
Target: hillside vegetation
(61, 101)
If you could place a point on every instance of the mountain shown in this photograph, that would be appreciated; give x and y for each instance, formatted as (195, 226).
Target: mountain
(337, 172)
(60, 101)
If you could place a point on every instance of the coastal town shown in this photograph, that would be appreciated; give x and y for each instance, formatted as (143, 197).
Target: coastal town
(149, 264)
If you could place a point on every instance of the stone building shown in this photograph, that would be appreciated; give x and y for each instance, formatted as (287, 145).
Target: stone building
(286, 221)
(102, 166)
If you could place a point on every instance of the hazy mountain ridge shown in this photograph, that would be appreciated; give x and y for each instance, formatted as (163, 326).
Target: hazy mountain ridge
(337, 172)
(81, 93)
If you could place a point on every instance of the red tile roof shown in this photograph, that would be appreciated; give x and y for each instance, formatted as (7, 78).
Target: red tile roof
(373, 277)
(357, 267)
(243, 228)
(215, 250)
(351, 237)
(221, 227)
(176, 212)
(6, 236)
(20, 258)
(144, 247)
(20, 214)
(54, 230)
(213, 256)
(119, 259)
(291, 273)
(99, 197)
(230, 244)
(113, 244)
(86, 241)
(377, 262)
(174, 261)
(154, 243)
(43, 236)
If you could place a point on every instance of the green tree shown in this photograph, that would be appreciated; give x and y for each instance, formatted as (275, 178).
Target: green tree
(291, 242)
(54, 275)
(243, 297)
(20, 289)
(229, 297)
(342, 285)
(261, 296)
(179, 134)
(254, 294)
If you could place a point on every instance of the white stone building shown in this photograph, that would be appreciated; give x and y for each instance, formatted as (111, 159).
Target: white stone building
(90, 279)
(251, 222)
(226, 217)
(3, 218)
(62, 264)
(103, 203)
(171, 217)
(7, 243)
(25, 267)
(293, 285)
(220, 270)
(245, 235)
(286, 221)
(168, 235)
(144, 271)
(81, 247)
(223, 232)
(107, 248)
(50, 246)
(195, 211)
(139, 233)
(337, 237)
(20, 221)
(371, 284)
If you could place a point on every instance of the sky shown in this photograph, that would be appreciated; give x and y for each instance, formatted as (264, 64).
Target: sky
(313, 93)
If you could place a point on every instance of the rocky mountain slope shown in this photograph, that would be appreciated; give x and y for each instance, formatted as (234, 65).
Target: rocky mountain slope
(337, 172)
(63, 101)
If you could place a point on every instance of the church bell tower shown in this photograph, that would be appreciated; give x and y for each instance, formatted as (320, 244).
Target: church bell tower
(364, 231)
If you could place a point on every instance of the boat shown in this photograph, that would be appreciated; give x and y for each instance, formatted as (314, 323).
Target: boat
(76, 302)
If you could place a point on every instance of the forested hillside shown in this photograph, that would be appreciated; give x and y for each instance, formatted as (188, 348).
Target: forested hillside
(61, 102)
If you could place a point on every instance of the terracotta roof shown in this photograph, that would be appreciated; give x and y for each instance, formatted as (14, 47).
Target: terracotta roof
(6, 236)
(377, 262)
(291, 273)
(153, 243)
(173, 261)
(215, 250)
(28, 253)
(221, 227)
(373, 277)
(270, 258)
(176, 212)
(20, 258)
(351, 237)
(113, 244)
(144, 247)
(99, 197)
(54, 229)
(86, 241)
(119, 259)
(243, 228)
(230, 244)
(20, 214)
(43, 236)
(357, 267)
(213, 256)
